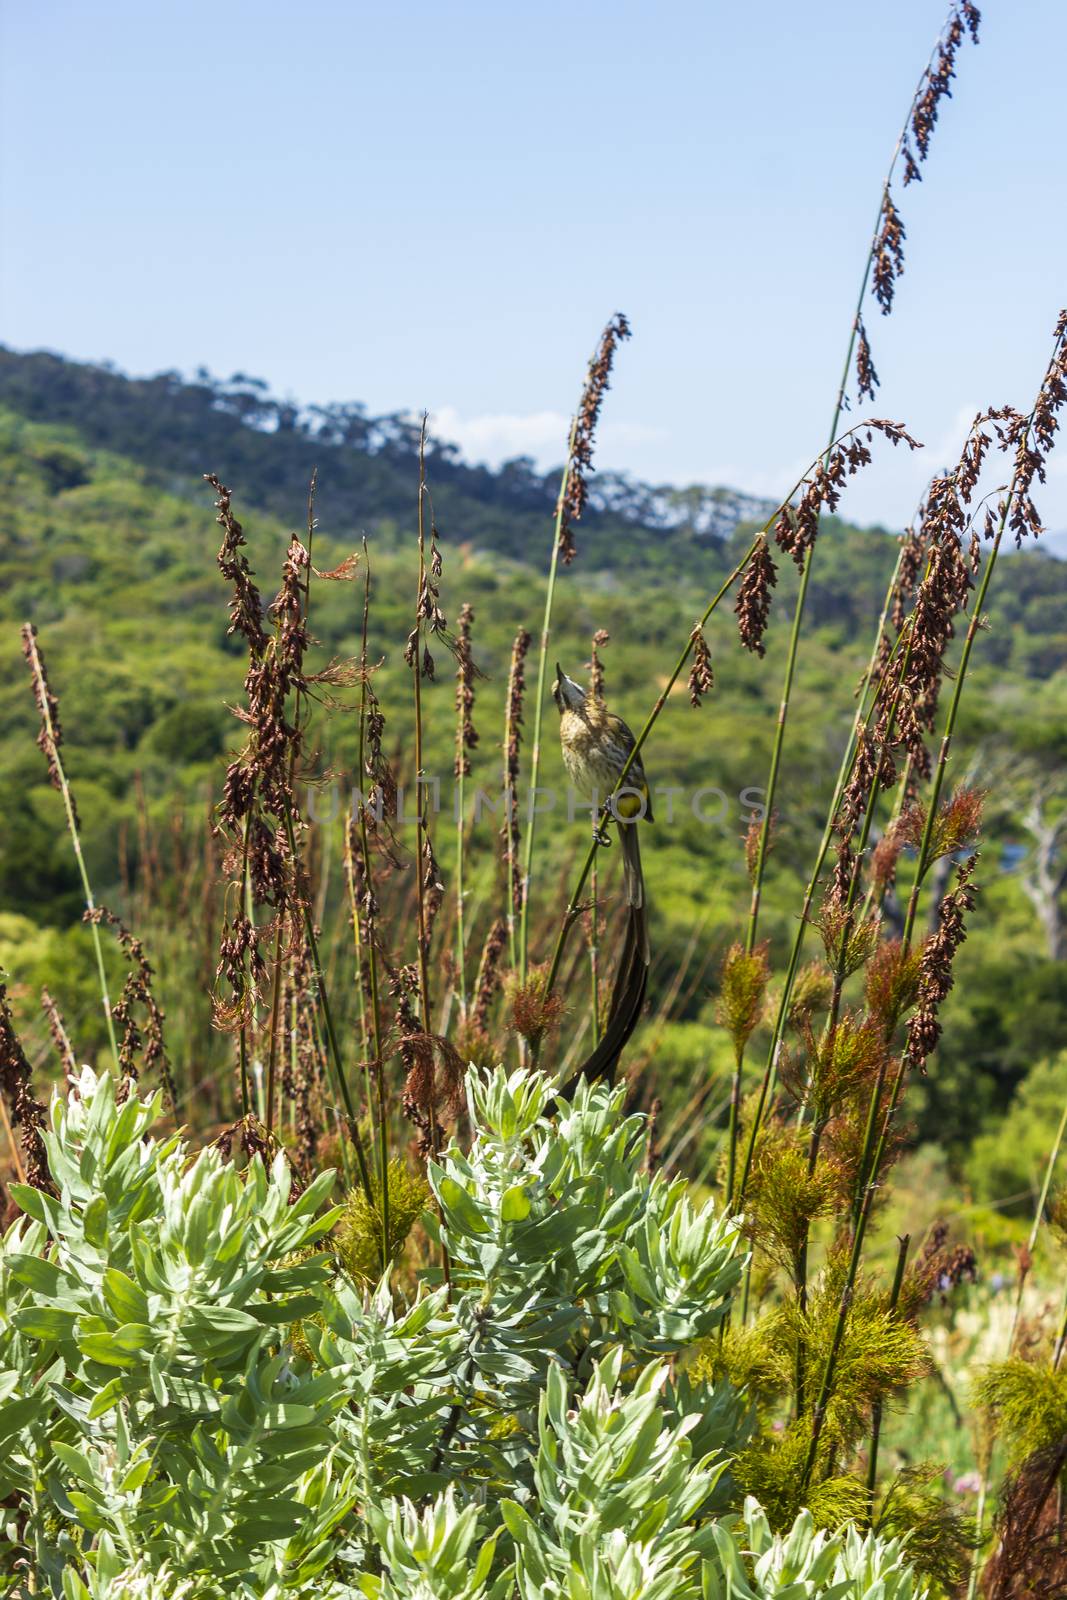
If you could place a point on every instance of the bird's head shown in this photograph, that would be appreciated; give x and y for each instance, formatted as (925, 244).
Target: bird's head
(567, 694)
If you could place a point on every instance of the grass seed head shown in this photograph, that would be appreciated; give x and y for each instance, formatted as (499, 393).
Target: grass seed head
(701, 676)
(935, 966)
(576, 492)
(753, 604)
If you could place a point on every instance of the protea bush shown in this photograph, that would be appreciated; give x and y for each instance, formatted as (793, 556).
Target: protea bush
(201, 1400)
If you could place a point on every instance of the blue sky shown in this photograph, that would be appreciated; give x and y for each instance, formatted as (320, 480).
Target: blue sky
(439, 205)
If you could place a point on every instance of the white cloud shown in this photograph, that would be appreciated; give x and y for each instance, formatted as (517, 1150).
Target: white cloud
(500, 436)
(887, 492)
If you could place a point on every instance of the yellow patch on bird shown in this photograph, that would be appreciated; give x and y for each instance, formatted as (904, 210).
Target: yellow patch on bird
(628, 804)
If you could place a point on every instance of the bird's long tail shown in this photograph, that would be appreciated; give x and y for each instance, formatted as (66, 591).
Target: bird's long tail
(631, 976)
(634, 883)
(627, 1000)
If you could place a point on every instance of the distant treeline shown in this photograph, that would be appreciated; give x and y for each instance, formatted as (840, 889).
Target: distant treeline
(268, 447)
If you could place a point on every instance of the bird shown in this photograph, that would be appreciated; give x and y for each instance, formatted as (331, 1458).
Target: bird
(596, 745)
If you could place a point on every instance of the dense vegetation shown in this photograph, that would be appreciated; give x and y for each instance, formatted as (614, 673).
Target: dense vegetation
(117, 572)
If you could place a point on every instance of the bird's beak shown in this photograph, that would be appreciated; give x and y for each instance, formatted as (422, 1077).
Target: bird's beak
(559, 671)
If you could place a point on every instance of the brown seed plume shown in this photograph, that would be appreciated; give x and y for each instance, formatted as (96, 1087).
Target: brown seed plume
(753, 837)
(911, 564)
(936, 542)
(512, 748)
(888, 256)
(576, 489)
(27, 1112)
(797, 526)
(891, 983)
(434, 1068)
(941, 1267)
(466, 735)
(935, 967)
(887, 248)
(701, 676)
(872, 764)
(936, 85)
(488, 975)
(866, 376)
(753, 603)
(246, 606)
(303, 1074)
(1029, 1560)
(60, 1037)
(433, 889)
(1031, 438)
(144, 1040)
(596, 666)
(50, 736)
(428, 607)
(884, 859)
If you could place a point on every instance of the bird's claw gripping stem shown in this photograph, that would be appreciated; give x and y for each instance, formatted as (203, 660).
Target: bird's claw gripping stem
(600, 831)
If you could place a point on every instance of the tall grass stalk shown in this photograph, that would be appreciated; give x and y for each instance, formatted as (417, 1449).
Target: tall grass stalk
(461, 930)
(333, 1046)
(594, 954)
(573, 493)
(1035, 1226)
(876, 1418)
(422, 851)
(16, 1153)
(521, 955)
(50, 745)
(380, 1117)
(350, 826)
(511, 750)
(420, 798)
(1058, 1346)
(465, 737)
(294, 746)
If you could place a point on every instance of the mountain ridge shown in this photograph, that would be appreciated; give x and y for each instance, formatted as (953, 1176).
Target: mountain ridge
(372, 456)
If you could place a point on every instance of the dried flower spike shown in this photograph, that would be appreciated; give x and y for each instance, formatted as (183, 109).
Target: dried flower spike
(701, 676)
(485, 984)
(887, 249)
(754, 598)
(512, 746)
(466, 735)
(935, 967)
(50, 736)
(866, 376)
(576, 489)
(797, 526)
(596, 665)
(27, 1112)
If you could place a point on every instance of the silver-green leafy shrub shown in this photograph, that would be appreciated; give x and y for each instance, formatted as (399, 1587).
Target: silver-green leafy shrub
(196, 1402)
